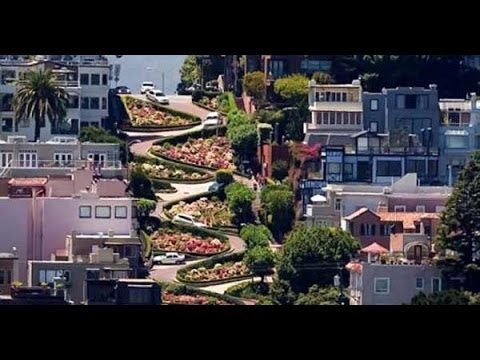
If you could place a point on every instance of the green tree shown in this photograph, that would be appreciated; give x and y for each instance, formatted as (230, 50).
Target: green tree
(256, 235)
(39, 97)
(314, 255)
(459, 232)
(141, 185)
(321, 77)
(98, 135)
(244, 140)
(292, 88)
(278, 202)
(144, 209)
(279, 169)
(451, 297)
(224, 176)
(319, 296)
(240, 198)
(190, 71)
(260, 260)
(254, 85)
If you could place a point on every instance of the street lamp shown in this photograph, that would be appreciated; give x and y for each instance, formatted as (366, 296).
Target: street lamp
(127, 150)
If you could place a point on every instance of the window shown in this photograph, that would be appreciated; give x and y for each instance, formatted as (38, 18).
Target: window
(130, 250)
(385, 229)
(94, 103)
(338, 204)
(46, 276)
(374, 126)
(325, 118)
(95, 79)
(104, 79)
(389, 168)
(7, 124)
(358, 118)
(362, 229)
(139, 295)
(332, 118)
(334, 168)
(134, 212)
(6, 159)
(410, 101)
(374, 104)
(62, 158)
(84, 79)
(5, 277)
(278, 68)
(400, 208)
(419, 283)
(339, 118)
(436, 284)
(382, 286)
(103, 212)
(344, 97)
(84, 124)
(85, 103)
(422, 102)
(93, 274)
(120, 212)
(370, 229)
(348, 169)
(27, 159)
(85, 212)
(420, 208)
(457, 142)
(104, 103)
(400, 101)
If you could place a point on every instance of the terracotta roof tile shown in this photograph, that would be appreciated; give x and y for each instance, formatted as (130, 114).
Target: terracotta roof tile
(407, 218)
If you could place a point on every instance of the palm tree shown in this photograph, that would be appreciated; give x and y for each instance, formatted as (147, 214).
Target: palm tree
(39, 97)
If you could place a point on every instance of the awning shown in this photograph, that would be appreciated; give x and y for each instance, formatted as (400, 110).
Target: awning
(374, 249)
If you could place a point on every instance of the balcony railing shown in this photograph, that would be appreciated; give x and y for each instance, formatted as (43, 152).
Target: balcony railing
(74, 164)
(68, 83)
(418, 150)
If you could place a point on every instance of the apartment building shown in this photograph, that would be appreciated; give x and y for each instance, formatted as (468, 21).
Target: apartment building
(58, 156)
(326, 204)
(86, 78)
(374, 283)
(38, 213)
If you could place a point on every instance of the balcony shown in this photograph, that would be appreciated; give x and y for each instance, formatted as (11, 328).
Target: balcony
(73, 164)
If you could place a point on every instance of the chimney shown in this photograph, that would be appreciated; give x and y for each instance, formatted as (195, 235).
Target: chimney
(473, 100)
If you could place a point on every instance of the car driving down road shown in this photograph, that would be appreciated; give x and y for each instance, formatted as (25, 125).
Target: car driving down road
(170, 258)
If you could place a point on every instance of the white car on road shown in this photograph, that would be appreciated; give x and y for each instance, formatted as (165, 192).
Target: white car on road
(212, 119)
(185, 219)
(170, 258)
(157, 96)
(146, 85)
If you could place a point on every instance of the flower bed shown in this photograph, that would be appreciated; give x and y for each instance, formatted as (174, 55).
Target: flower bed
(146, 114)
(214, 152)
(185, 242)
(218, 272)
(173, 172)
(212, 213)
(179, 294)
(211, 103)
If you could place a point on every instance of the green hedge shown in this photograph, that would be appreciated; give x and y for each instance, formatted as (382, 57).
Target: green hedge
(187, 199)
(227, 102)
(161, 184)
(210, 263)
(182, 289)
(182, 166)
(195, 120)
(198, 95)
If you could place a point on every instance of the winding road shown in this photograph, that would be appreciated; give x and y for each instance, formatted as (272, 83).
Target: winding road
(184, 104)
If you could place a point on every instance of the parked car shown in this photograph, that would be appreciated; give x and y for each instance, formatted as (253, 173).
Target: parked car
(212, 119)
(157, 96)
(146, 85)
(187, 220)
(211, 85)
(123, 90)
(169, 258)
(215, 187)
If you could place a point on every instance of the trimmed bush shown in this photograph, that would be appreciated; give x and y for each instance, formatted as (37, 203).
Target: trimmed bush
(224, 176)
(161, 184)
(248, 290)
(227, 102)
(198, 95)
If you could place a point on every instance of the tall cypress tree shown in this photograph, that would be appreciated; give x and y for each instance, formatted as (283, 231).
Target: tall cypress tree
(459, 233)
